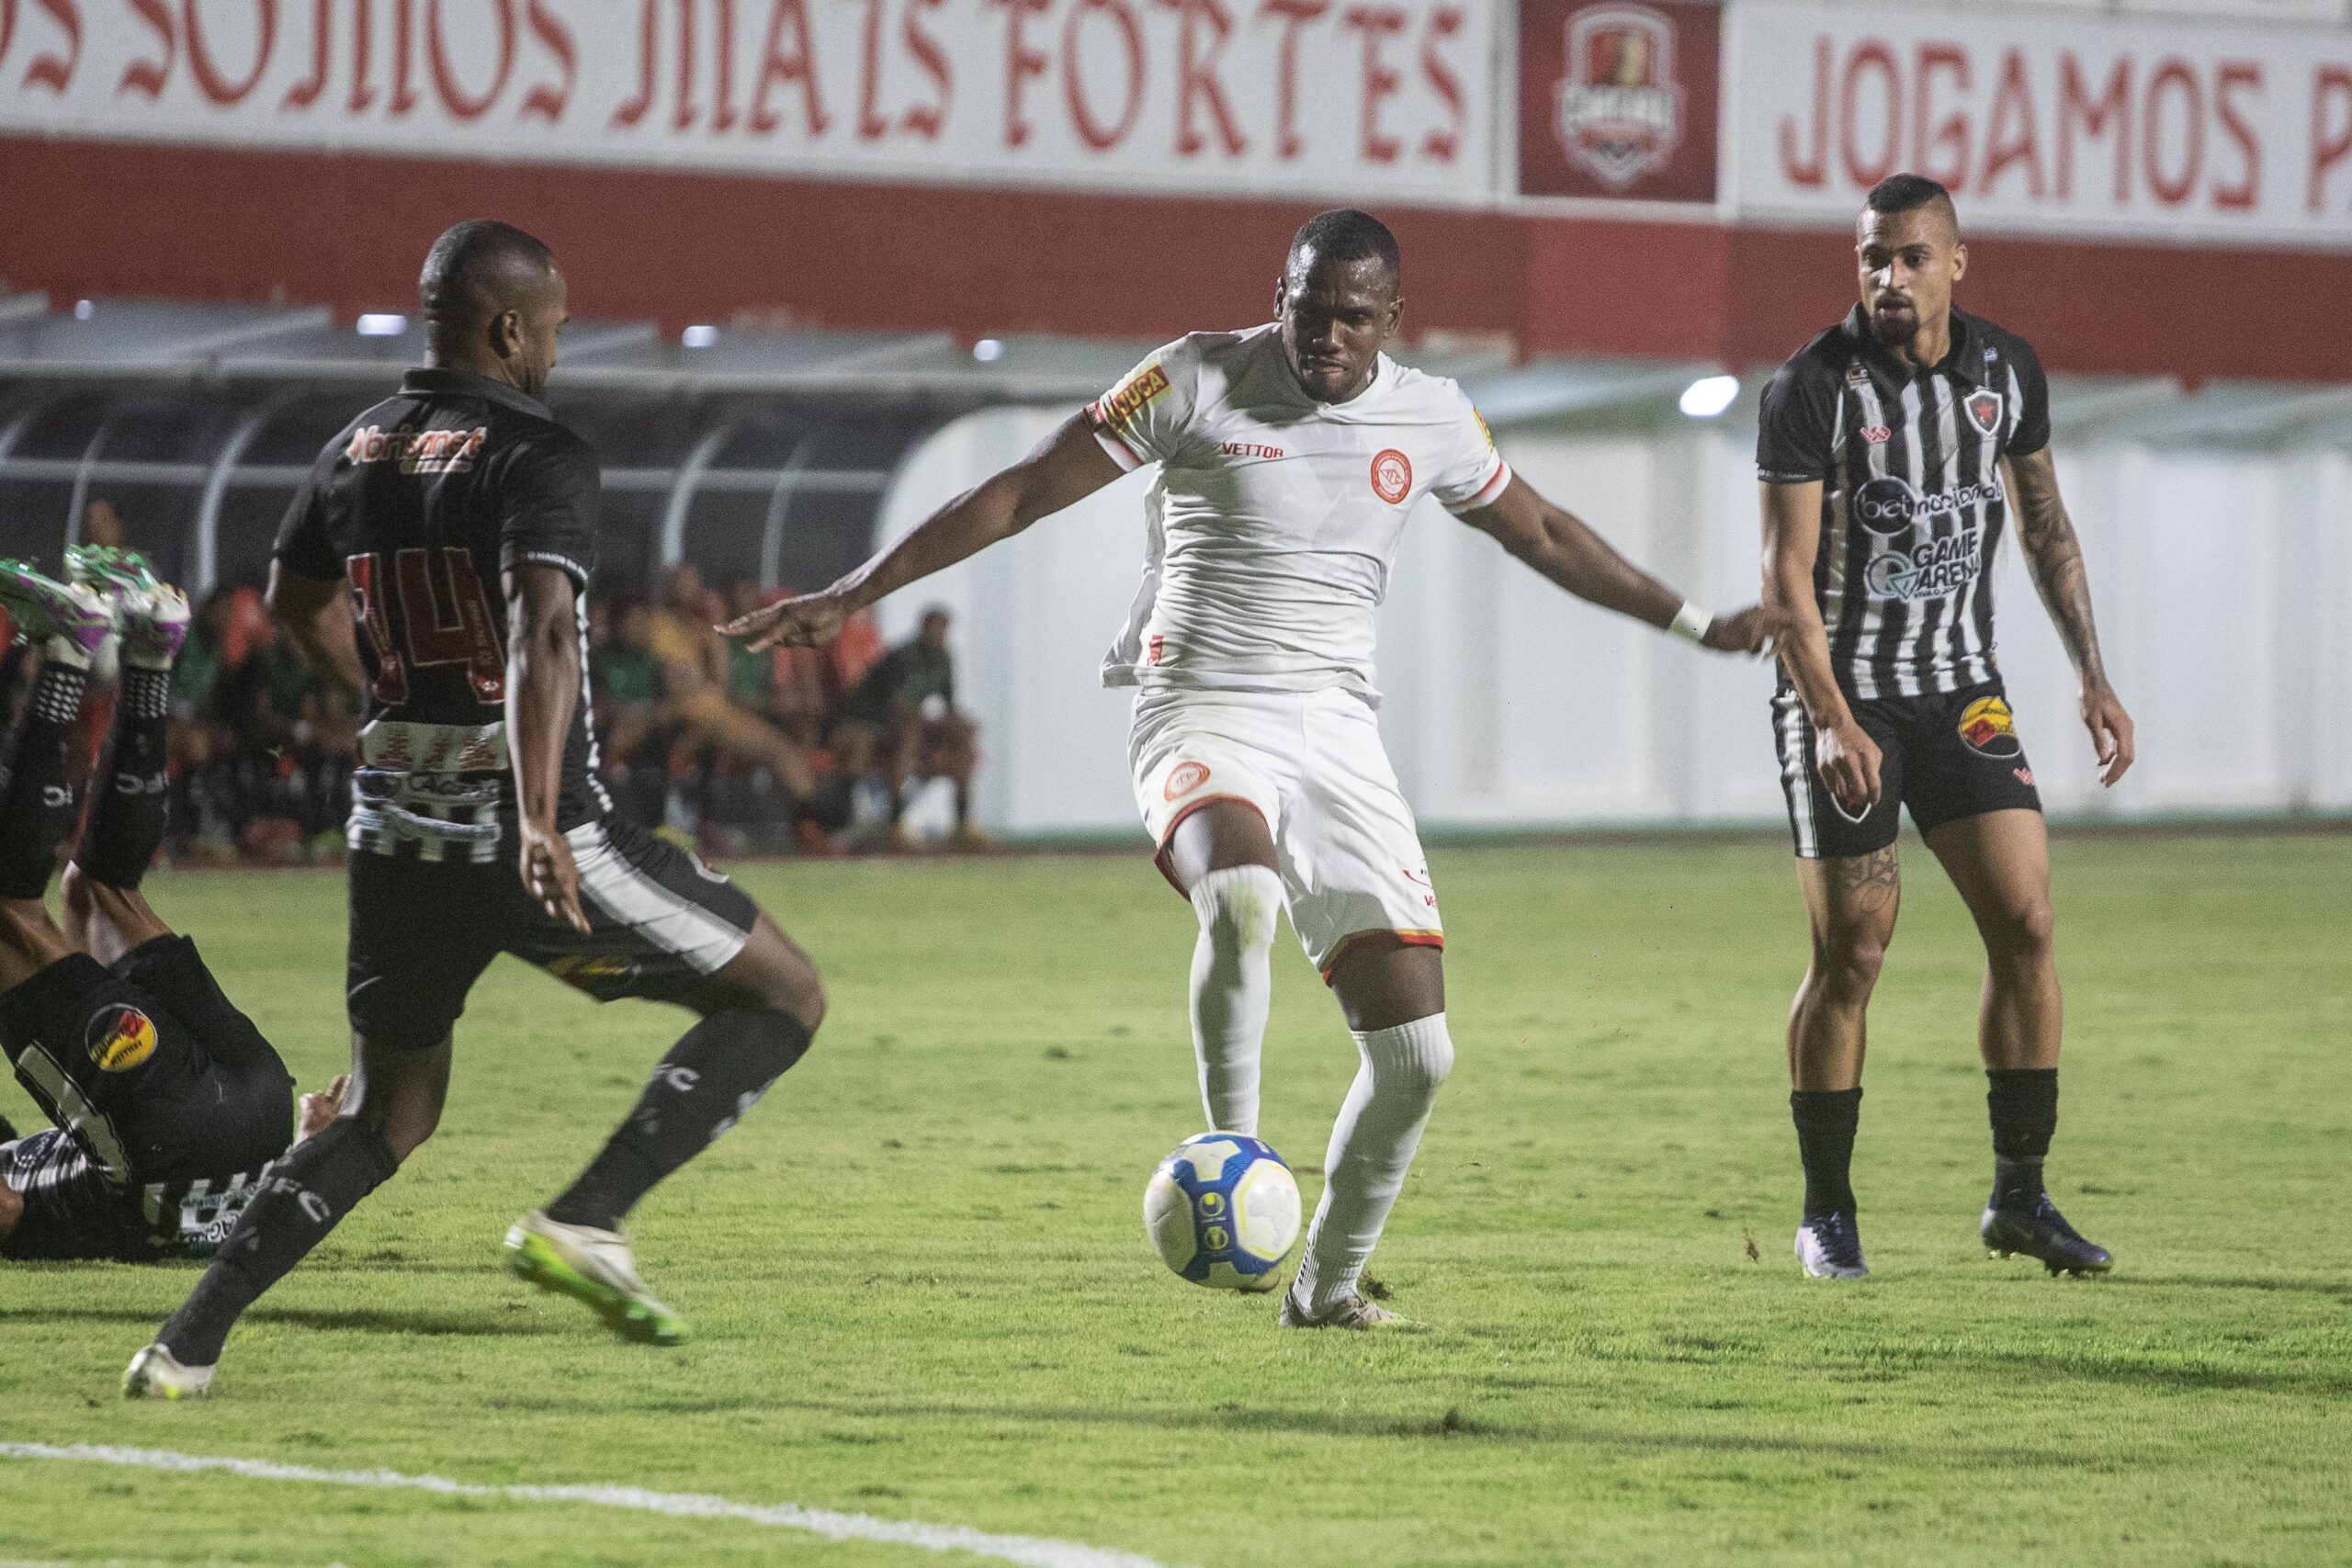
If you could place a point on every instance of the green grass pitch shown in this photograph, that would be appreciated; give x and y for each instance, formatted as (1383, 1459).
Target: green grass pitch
(922, 1290)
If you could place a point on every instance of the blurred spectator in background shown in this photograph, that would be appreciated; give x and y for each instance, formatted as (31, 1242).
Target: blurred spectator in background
(695, 680)
(901, 722)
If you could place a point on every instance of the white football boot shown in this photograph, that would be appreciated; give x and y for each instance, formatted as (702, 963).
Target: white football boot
(1353, 1311)
(1831, 1248)
(155, 1373)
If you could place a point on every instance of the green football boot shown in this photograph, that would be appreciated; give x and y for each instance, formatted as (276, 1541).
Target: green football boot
(594, 1268)
(43, 607)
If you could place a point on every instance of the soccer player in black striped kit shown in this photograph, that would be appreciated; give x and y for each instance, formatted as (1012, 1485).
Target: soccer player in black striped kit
(1892, 449)
(436, 560)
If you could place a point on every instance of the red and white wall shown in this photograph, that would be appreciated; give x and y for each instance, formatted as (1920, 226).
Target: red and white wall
(2147, 193)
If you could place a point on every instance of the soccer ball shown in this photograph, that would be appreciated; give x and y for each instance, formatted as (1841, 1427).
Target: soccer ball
(1223, 1211)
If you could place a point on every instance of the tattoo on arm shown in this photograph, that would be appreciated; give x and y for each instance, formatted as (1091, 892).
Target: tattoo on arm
(1868, 883)
(2055, 555)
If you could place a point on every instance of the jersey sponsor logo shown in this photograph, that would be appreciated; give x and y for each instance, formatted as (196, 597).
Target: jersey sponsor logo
(121, 1038)
(1159, 648)
(418, 451)
(1876, 435)
(1186, 778)
(1929, 570)
(1392, 476)
(1123, 402)
(1617, 111)
(1247, 449)
(1988, 729)
(1889, 505)
(1984, 407)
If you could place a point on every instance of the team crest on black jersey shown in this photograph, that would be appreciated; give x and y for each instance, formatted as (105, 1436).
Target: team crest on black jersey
(1985, 411)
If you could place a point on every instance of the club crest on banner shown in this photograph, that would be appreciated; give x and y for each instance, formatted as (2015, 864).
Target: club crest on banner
(1617, 108)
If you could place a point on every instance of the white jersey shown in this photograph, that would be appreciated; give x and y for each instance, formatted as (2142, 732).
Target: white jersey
(1275, 519)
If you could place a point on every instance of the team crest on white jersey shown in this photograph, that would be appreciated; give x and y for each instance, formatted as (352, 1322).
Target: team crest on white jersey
(1985, 411)
(1392, 476)
(1618, 110)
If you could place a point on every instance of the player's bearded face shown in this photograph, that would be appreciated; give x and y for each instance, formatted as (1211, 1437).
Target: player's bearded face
(1335, 317)
(1908, 262)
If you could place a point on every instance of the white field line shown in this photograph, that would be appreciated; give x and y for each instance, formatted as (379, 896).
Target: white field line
(1031, 1551)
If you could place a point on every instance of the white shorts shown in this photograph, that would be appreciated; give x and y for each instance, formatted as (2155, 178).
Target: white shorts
(1312, 764)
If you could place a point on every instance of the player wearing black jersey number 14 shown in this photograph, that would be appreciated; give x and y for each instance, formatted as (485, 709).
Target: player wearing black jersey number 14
(436, 560)
(1891, 450)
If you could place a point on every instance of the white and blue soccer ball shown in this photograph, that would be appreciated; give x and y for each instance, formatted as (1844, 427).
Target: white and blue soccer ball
(1223, 1211)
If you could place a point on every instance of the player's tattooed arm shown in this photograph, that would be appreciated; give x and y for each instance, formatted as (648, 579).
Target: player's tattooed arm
(1846, 756)
(2055, 553)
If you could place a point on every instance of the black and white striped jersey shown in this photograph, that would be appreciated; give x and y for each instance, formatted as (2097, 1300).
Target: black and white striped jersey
(422, 505)
(77, 1207)
(1912, 499)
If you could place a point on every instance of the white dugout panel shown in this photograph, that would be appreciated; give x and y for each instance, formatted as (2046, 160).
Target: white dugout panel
(2222, 577)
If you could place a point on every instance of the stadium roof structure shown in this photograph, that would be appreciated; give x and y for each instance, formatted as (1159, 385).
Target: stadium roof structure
(764, 448)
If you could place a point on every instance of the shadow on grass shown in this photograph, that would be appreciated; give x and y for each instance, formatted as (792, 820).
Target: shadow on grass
(360, 1320)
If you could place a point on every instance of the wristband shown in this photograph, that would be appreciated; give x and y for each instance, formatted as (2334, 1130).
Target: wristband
(1691, 622)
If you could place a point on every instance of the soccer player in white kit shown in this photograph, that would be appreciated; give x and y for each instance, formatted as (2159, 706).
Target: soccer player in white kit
(1290, 456)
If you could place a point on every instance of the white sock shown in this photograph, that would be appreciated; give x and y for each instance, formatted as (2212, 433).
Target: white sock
(1232, 987)
(1372, 1147)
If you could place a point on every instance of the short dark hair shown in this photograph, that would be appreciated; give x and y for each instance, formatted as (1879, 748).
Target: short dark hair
(1908, 193)
(1349, 234)
(476, 269)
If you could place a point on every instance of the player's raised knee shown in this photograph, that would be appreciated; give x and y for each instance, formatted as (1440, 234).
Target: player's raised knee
(1237, 906)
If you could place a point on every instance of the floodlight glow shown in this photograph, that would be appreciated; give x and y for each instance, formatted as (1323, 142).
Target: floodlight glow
(700, 336)
(987, 351)
(1709, 396)
(382, 323)
(84, 310)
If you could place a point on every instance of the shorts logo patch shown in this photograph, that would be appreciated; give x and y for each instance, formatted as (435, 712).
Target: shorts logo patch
(1392, 476)
(1985, 411)
(1186, 778)
(2025, 776)
(587, 971)
(1989, 730)
(121, 1038)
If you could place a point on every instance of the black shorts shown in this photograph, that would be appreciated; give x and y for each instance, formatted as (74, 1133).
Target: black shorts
(1945, 756)
(149, 1069)
(422, 932)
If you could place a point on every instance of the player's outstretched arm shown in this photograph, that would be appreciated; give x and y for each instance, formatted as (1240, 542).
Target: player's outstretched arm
(1069, 466)
(1847, 757)
(316, 615)
(1559, 544)
(2055, 555)
(542, 689)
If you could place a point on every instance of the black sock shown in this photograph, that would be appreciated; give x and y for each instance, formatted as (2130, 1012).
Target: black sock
(37, 808)
(711, 1076)
(131, 800)
(302, 1197)
(2024, 1106)
(1825, 1119)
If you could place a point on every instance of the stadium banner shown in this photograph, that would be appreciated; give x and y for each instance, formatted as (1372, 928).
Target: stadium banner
(2097, 127)
(1618, 99)
(1383, 98)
